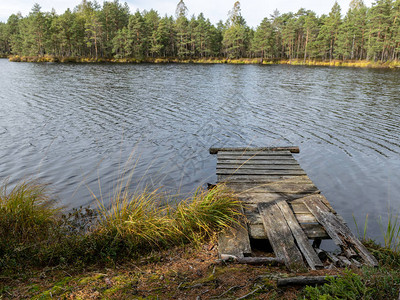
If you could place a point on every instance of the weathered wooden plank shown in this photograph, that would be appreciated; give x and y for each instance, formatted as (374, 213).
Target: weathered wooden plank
(338, 231)
(255, 198)
(302, 240)
(243, 178)
(273, 188)
(306, 218)
(299, 207)
(324, 200)
(259, 172)
(234, 241)
(255, 159)
(255, 153)
(255, 218)
(280, 236)
(313, 231)
(251, 161)
(292, 149)
(258, 167)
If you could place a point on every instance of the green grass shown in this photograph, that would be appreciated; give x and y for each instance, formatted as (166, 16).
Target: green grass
(391, 232)
(33, 230)
(28, 214)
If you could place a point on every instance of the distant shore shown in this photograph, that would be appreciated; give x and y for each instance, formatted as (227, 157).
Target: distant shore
(298, 62)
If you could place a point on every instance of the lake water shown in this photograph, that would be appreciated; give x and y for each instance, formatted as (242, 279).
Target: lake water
(76, 126)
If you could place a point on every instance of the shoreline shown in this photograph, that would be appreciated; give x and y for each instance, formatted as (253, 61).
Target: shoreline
(213, 60)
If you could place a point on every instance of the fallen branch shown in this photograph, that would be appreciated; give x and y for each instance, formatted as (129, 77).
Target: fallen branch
(302, 280)
(251, 260)
(251, 293)
(228, 290)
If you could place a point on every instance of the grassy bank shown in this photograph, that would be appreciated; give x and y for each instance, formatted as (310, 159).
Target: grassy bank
(35, 232)
(134, 249)
(333, 63)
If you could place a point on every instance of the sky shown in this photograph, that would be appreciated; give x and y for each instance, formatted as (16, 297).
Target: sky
(252, 10)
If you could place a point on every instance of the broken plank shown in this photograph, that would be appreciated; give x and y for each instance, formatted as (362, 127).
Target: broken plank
(302, 241)
(337, 230)
(259, 172)
(280, 236)
(234, 241)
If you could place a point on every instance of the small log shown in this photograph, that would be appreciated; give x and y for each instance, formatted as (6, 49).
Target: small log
(292, 149)
(302, 280)
(274, 261)
(321, 254)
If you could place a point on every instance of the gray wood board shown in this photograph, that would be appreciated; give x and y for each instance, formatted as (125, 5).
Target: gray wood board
(255, 198)
(293, 149)
(302, 240)
(234, 241)
(259, 172)
(313, 231)
(251, 161)
(279, 187)
(255, 157)
(258, 167)
(243, 178)
(337, 230)
(255, 218)
(280, 236)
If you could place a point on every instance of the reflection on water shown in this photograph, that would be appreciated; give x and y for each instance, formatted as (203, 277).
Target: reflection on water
(75, 126)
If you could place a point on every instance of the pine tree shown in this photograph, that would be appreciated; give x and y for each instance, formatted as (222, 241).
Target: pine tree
(236, 36)
(329, 33)
(263, 42)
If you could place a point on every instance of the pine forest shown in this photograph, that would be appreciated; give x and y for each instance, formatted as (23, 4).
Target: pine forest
(111, 31)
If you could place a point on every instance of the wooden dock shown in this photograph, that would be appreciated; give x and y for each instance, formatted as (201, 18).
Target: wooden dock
(283, 207)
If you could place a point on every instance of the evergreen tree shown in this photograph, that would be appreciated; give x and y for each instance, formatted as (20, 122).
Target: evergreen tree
(379, 29)
(263, 43)
(329, 33)
(236, 37)
(114, 17)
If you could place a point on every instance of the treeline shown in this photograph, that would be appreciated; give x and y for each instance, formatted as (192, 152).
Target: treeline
(111, 31)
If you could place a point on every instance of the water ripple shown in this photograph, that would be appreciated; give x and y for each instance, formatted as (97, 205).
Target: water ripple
(75, 125)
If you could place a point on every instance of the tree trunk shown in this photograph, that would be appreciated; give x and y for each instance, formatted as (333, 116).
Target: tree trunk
(305, 48)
